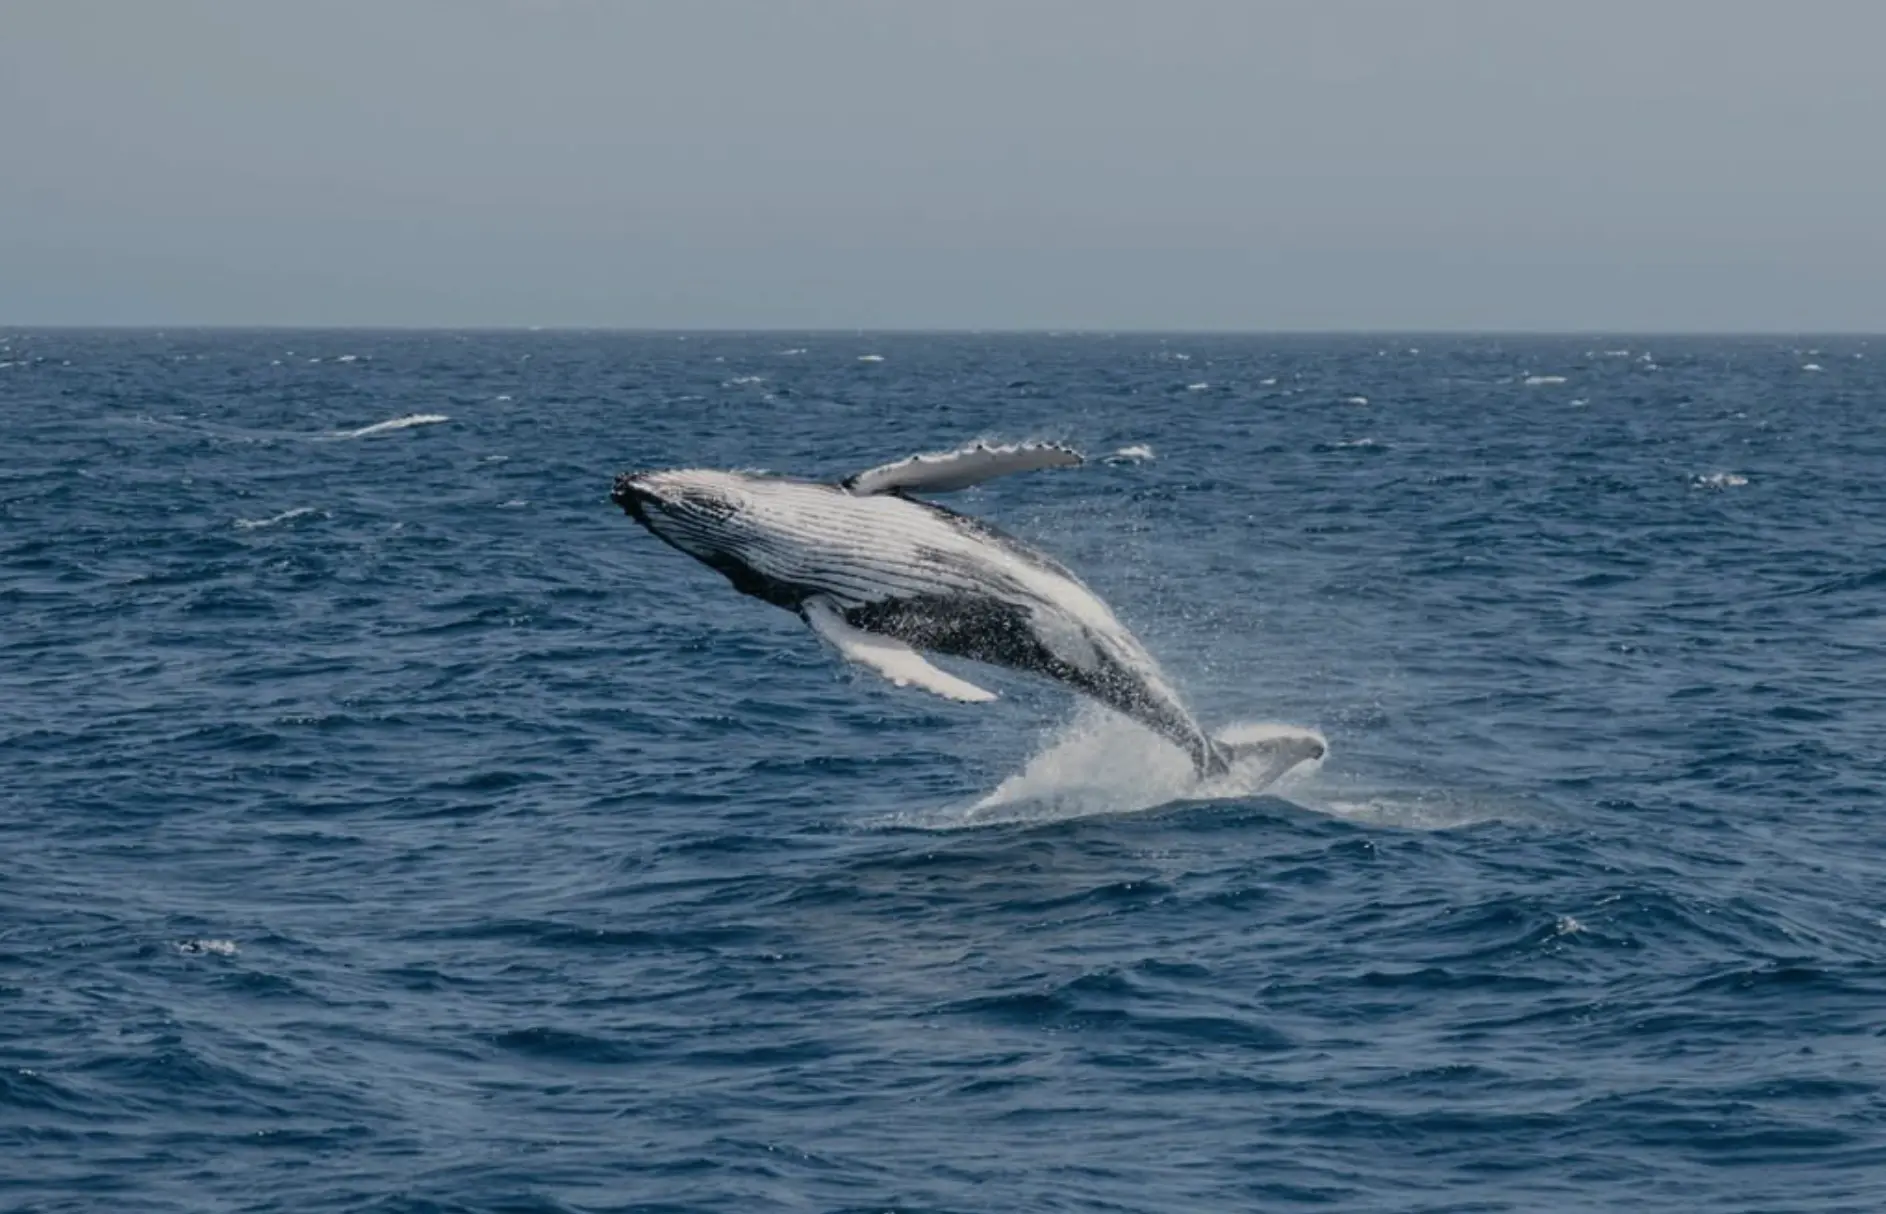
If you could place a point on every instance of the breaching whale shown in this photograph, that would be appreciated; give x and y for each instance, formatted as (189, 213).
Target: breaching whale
(881, 575)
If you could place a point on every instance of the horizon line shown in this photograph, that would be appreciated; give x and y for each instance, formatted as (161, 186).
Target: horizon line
(937, 331)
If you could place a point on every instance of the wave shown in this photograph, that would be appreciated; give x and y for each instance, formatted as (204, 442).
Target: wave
(1536, 381)
(214, 948)
(286, 516)
(391, 424)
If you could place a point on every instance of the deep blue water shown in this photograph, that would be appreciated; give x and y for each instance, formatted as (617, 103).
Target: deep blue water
(387, 823)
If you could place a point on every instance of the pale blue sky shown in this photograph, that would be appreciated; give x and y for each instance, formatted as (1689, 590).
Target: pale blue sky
(1159, 164)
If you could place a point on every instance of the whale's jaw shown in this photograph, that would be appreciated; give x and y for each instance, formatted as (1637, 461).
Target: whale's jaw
(633, 496)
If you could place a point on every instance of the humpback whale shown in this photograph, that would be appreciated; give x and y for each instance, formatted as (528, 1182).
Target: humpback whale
(881, 574)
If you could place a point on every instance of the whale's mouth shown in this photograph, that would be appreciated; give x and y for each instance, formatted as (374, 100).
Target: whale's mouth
(633, 496)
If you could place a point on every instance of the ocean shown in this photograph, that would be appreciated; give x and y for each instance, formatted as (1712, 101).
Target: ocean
(389, 824)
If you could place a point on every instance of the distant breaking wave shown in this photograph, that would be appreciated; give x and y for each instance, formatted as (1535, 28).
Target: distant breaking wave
(286, 516)
(397, 423)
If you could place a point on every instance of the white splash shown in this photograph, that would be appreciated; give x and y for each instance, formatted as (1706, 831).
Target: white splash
(391, 424)
(1812, 367)
(286, 516)
(1535, 381)
(217, 948)
(348, 358)
(1198, 387)
(1720, 480)
(1137, 453)
(1405, 808)
(1101, 763)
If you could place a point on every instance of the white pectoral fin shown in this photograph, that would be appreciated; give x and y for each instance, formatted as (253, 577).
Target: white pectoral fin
(952, 470)
(891, 658)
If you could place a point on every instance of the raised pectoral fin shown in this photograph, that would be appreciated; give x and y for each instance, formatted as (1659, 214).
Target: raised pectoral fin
(949, 471)
(891, 658)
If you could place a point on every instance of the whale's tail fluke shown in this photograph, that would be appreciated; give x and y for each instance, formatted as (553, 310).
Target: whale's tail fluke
(1260, 753)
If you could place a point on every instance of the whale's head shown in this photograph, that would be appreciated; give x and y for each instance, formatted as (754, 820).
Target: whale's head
(696, 510)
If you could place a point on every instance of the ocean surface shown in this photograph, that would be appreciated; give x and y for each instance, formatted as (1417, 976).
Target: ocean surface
(389, 824)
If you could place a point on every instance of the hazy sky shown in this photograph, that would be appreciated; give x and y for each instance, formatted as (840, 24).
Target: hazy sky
(1143, 164)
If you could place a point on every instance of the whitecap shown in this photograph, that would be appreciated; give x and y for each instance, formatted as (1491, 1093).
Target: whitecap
(1198, 387)
(1812, 367)
(870, 358)
(348, 358)
(1536, 381)
(502, 397)
(286, 516)
(216, 948)
(391, 424)
(1355, 400)
(746, 379)
(1720, 480)
(1267, 383)
(794, 350)
(1137, 453)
